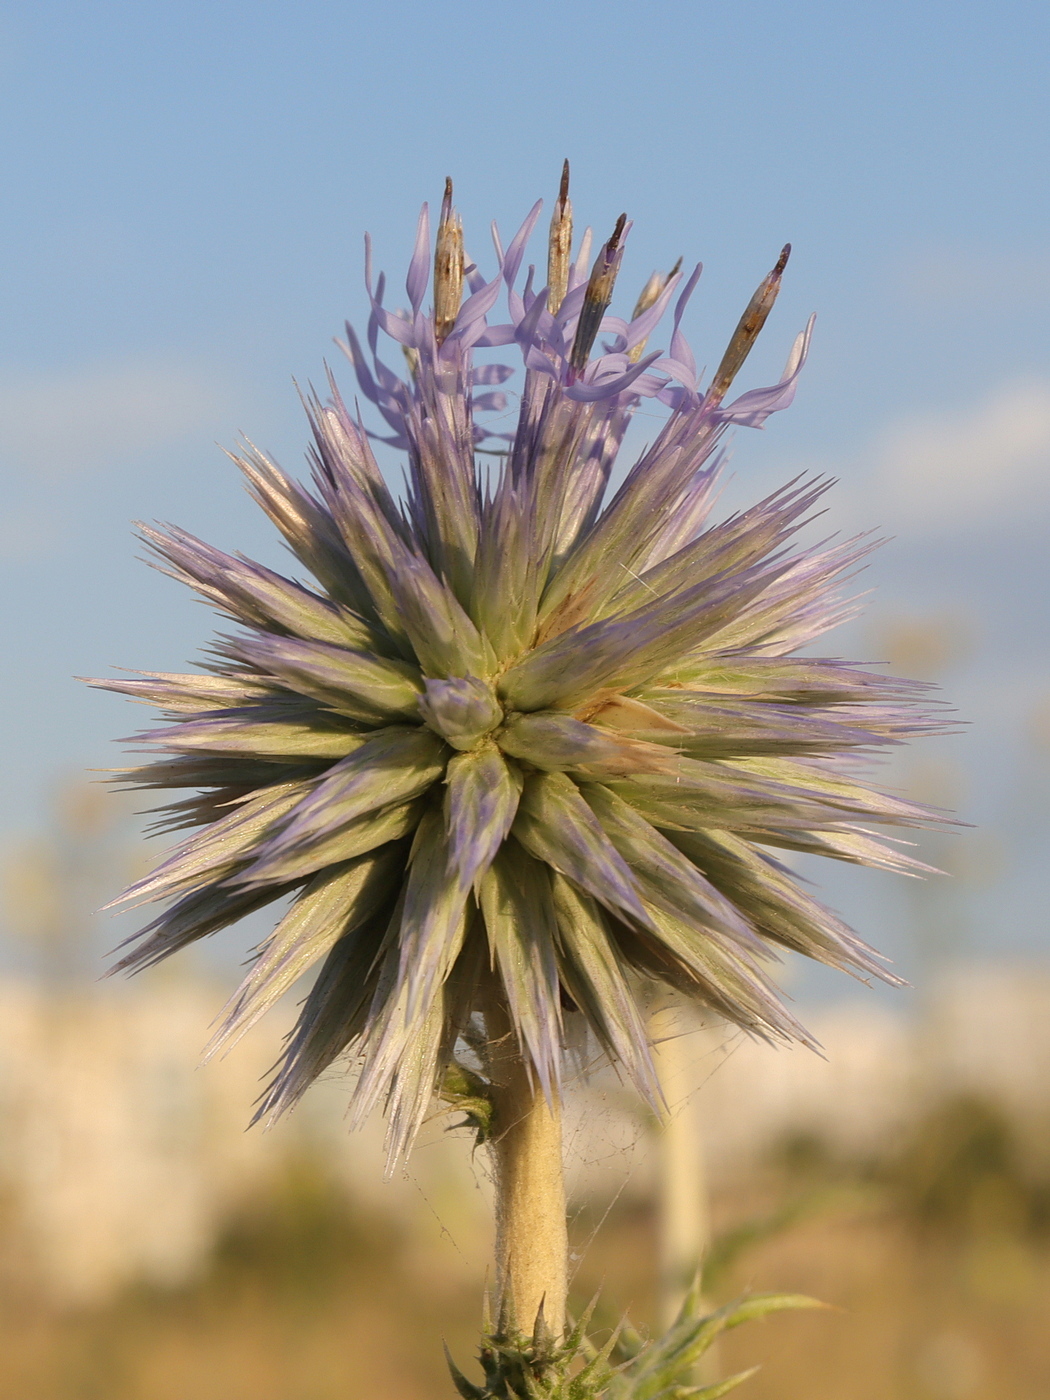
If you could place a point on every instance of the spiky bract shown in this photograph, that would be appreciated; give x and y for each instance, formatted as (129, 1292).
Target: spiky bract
(513, 739)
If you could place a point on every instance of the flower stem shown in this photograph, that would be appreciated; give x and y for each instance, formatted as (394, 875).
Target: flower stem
(683, 1058)
(531, 1237)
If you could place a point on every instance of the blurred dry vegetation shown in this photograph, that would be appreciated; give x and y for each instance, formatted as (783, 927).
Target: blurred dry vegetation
(938, 1257)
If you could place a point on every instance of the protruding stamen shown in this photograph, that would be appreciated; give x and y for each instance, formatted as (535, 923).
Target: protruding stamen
(649, 293)
(448, 268)
(598, 296)
(746, 333)
(652, 289)
(559, 249)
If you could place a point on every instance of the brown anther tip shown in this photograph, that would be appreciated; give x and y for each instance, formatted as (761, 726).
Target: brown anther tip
(563, 188)
(674, 271)
(782, 260)
(448, 268)
(559, 247)
(597, 297)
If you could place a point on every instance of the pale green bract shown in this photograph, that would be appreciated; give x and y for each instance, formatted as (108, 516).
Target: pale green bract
(513, 739)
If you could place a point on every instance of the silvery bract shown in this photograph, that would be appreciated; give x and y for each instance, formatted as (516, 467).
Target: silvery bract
(513, 732)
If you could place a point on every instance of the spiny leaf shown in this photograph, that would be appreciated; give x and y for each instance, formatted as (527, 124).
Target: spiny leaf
(665, 876)
(555, 741)
(393, 765)
(518, 909)
(333, 1015)
(333, 905)
(799, 680)
(555, 825)
(595, 979)
(367, 688)
(258, 597)
(197, 915)
(481, 800)
(717, 1389)
(466, 1388)
(308, 529)
(763, 1304)
(434, 918)
(275, 863)
(773, 904)
(218, 852)
(253, 732)
(735, 544)
(186, 693)
(621, 653)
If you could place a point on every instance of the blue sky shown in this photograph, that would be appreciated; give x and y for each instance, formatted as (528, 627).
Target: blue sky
(186, 189)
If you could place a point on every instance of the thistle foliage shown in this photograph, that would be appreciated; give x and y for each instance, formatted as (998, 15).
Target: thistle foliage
(516, 736)
(627, 1366)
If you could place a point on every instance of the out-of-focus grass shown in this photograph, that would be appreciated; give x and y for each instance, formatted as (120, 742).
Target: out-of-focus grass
(937, 1256)
(306, 1299)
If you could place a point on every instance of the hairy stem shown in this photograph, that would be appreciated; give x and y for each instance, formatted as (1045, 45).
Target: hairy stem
(531, 1238)
(683, 1208)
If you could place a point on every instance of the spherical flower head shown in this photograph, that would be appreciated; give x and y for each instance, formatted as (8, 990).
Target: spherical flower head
(515, 740)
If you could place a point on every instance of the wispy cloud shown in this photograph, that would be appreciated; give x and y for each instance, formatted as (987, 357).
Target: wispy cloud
(948, 472)
(84, 418)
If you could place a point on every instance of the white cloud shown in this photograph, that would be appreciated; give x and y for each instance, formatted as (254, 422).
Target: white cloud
(949, 471)
(85, 418)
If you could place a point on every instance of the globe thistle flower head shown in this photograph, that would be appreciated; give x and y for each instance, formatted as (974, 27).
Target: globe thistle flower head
(515, 739)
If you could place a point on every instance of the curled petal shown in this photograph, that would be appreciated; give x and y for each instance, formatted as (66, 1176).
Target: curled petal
(605, 388)
(419, 267)
(511, 262)
(753, 408)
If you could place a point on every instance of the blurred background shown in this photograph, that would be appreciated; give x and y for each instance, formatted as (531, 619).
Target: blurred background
(186, 192)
